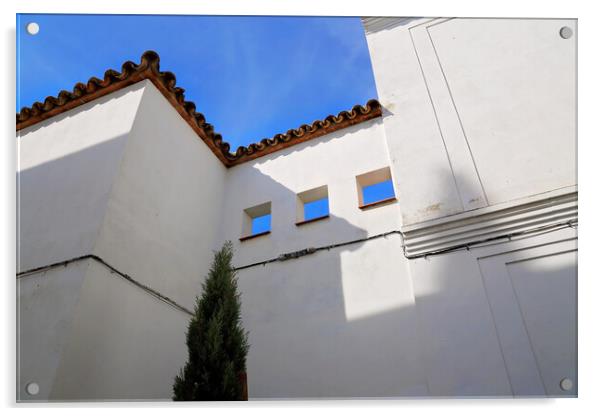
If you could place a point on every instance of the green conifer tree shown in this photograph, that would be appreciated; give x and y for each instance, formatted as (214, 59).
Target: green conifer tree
(217, 343)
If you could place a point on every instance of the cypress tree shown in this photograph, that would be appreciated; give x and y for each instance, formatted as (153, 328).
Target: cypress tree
(217, 343)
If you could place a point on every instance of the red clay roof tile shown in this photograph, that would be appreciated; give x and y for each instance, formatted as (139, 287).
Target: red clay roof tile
(148, 68)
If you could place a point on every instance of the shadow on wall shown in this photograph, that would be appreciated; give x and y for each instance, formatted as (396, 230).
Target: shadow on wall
(465, 352)
(67, 202)
(358, 320)
(344, 323)
(336, 323)
(361, 320)
(64, 180)
(452, 312)
(61, 206)
(546, 292)
(61, 202)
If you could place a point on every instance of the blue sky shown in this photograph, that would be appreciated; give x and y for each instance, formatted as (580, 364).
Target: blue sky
(378, 191)
(252, 77)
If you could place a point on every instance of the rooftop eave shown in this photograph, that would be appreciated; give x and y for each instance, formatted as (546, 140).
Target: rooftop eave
(148, 68)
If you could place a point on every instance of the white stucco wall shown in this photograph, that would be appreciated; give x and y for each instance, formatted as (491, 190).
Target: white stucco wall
(143, 194)
(46, 306)
(333, 160)
(500, 319)
(66, 168)
(165, 205)
(338, 323)
(123, 343)
(489, 104)
(362, 320)
(478, 130)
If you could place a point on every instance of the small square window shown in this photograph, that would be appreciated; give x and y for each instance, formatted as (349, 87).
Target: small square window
(257, 221)
(312, 205)
(261, 224)
(375, 188)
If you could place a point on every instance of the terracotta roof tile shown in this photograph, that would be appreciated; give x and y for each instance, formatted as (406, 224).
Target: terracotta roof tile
(148, 68)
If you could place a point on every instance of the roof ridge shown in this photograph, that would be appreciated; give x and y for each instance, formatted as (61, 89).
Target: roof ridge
(149, 68)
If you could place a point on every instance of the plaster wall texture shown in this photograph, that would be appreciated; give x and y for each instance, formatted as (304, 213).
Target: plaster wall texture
(339, 323)
(123, 343)
(512, 305)
(162, 217)
(153, 217)
(489, 104)
(87, 334)
(66, 168)
(317, 322)
(46, 309)
(360, 320)
(333, 160)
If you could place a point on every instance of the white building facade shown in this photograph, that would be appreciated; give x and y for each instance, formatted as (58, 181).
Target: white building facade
(462, 284)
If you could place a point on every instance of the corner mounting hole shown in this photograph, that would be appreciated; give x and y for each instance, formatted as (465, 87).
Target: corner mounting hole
(32, 28)
(566, 32)
(566, 384)
(32, 389)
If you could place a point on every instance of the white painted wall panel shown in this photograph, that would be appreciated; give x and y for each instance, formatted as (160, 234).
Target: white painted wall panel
(461, 350)
(123, 345)
(489, 105)
(164, 210)
(531, 286)
(513, 82)
(546, 288)
(476, 112)
(46, 308)
(334, 160)
(67, 165)
(339, 323)
(423, 174)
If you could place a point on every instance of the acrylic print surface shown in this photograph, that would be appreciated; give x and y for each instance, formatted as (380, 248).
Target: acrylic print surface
(251, 208)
